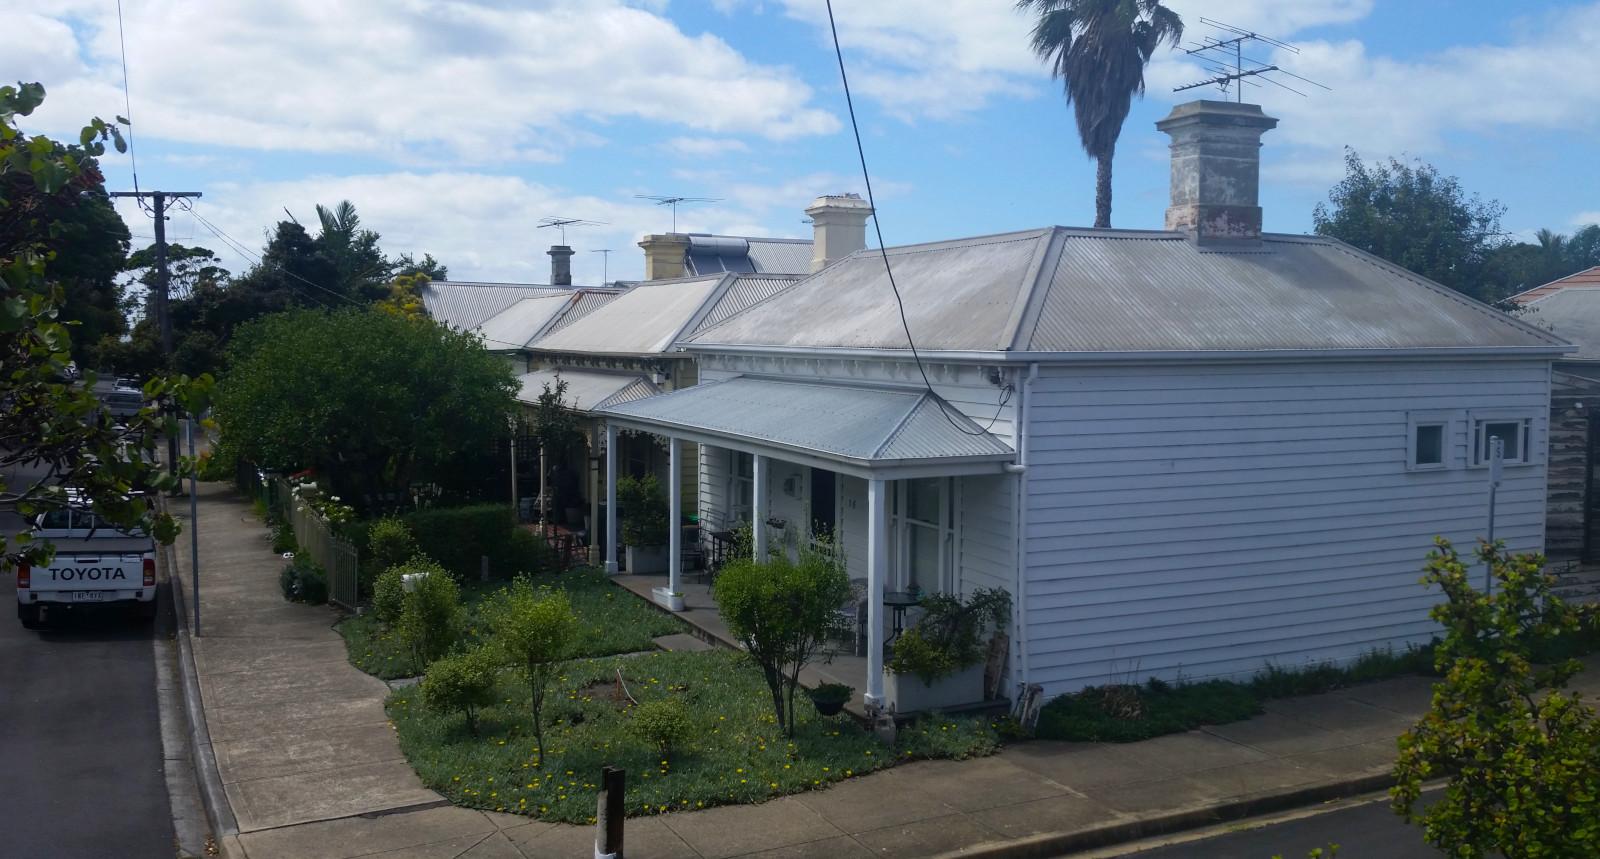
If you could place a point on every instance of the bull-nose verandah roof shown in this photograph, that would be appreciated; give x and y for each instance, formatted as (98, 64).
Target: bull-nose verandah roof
(868, 431)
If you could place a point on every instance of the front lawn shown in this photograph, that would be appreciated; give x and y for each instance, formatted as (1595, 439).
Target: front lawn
(734, 753)
(613, 621)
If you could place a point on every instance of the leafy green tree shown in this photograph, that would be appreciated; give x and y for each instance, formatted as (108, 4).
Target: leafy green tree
(428, 267)
(535, 629)
(1521, 751)
(360, 269)
(371, 400)
(1517, 267)
(783, 612)
(46, 421)
(1098, 50)
(1411, 215)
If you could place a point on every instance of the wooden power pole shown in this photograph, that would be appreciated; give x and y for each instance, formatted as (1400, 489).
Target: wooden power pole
(159, 200)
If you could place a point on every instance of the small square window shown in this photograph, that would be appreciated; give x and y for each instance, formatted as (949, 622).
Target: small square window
(1428, 449)
(1513, 433)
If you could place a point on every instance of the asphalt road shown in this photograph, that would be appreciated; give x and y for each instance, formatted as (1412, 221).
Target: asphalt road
(80, 740)
(1366, 831)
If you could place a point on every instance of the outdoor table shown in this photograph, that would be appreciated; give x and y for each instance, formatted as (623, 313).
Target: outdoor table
(721, 547)
(897, 602)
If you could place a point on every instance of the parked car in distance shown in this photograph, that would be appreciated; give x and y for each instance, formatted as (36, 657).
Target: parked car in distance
(123, 402)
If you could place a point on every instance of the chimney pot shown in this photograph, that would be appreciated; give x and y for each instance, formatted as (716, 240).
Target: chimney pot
(560, 265)
(664, 255)
(1216, 169)
(839, 227)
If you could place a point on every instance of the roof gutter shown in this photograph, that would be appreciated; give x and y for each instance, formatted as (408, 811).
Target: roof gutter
(1438, 353)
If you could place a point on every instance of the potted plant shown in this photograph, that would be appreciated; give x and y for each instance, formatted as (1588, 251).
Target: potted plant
(644, 524)
(830, 698)
(939, 662)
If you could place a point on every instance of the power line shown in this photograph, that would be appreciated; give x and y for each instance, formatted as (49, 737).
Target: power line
(127, 104)
(877, 226)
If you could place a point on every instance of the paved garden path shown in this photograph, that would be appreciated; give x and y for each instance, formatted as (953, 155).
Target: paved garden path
(313, 770)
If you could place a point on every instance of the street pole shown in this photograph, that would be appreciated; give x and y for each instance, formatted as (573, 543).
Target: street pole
(1497, 456)
(159, 201)
(194, 532)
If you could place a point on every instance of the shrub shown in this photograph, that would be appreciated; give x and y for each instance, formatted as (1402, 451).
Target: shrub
(464, 682)
(303, 581)
(389, 542)
(220, 464)
(644, 511)
(1123, 713)
(389, 595)
(950, 635)
(535, 629)
(460, 537)
(430, 615)
(283, 537)
(663, 724)
(783, 612)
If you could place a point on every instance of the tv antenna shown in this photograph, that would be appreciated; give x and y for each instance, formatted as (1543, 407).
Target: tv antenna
(1223, 56)
(605, 264)
(562, 224)
(674, 201)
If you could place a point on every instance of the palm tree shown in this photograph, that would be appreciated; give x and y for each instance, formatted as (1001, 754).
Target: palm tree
(1098, 49)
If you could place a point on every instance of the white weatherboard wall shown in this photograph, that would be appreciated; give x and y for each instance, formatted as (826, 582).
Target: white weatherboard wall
(1203, 521)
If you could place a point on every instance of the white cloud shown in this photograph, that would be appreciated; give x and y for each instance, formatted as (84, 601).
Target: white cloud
(705, 147)
(414, 82)
(1584, 219)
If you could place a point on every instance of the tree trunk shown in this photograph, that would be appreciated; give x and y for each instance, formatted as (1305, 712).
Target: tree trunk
(1102, 189)
(775, 684)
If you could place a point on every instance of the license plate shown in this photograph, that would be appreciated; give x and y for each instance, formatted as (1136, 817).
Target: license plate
(91, 596)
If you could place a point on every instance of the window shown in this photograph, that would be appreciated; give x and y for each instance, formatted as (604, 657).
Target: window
(921, 534)
(1428, 441)
(1428, 446)
(741, 486)
(1514, 433)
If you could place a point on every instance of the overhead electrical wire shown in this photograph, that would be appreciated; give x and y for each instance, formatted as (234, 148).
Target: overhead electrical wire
(877, 226)
(127, 110)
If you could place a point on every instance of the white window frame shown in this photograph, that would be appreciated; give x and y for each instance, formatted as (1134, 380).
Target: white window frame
(1529, 455)
(900, 535)
(1446, 422)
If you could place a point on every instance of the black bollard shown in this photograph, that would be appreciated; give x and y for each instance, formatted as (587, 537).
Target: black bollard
(609, 817)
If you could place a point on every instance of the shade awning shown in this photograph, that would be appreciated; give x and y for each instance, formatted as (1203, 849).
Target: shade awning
(867, 428)
(587, 390)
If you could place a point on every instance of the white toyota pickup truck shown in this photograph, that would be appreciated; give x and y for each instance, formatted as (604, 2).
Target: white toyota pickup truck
(94, 564)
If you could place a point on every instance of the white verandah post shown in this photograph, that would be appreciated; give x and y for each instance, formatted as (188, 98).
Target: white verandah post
(675, 516)
(611, 499)
(877, 574)
(593, 472)
(758, 506)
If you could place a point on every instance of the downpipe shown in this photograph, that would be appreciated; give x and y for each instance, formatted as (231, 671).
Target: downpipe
(1019, 518)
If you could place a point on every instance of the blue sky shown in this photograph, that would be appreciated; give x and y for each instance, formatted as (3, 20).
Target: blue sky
(455, 127)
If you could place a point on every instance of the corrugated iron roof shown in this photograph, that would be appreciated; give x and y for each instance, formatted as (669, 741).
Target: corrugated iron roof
(587, 390)
(1571, 313)
(646, 320)
(743, 291)
(852, 423)
(513, 327)
(466, 305)
(584, 303)
(1587, 277)
(1071, 290)
(780, 256)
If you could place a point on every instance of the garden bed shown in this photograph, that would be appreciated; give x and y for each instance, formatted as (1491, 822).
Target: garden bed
(612, 621)
(734, 754)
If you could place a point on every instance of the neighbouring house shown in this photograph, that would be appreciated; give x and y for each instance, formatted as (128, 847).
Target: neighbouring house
(1570, 308)
(1186, 453)
(629, 345)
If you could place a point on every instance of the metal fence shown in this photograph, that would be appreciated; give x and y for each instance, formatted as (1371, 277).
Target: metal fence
(337, 557)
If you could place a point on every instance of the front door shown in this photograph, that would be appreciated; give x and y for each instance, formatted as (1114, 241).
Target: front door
(823, 513)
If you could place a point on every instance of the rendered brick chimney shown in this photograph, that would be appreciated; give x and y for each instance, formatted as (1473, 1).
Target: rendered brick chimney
(664, 254)
(1216, 169)
(560, 265)
(839, 224)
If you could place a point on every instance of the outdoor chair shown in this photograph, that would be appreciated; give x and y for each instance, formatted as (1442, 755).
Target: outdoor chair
(853, 617)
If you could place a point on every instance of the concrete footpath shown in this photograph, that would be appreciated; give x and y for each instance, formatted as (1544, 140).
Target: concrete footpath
(312, 768)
